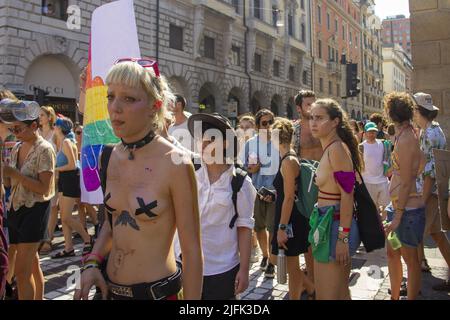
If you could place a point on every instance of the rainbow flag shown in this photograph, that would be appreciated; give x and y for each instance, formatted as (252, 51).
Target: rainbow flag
(109, 42)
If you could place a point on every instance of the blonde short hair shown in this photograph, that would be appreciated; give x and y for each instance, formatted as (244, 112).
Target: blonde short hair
(132, 74)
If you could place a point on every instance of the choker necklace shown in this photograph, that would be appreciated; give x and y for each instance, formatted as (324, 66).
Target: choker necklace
(138, 144)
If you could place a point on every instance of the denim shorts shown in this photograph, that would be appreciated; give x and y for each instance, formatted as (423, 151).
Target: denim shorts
(411, 228)
(354, 239)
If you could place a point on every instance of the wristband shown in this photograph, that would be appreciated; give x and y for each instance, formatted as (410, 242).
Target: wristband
(100, 258)
(345, 230)
(91, 262)
(89, 266)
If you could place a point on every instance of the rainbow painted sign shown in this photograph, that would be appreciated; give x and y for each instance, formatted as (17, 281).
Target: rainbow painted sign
(109, 41)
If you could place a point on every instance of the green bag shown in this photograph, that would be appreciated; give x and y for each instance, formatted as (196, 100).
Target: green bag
(319, 235)
(307, 191)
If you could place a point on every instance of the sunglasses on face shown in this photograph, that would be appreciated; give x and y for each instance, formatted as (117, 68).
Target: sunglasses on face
(78, 132)
(145, 63)
(266, 123)
(17, 130)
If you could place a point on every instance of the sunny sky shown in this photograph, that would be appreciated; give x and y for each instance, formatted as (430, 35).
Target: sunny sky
(384, 8)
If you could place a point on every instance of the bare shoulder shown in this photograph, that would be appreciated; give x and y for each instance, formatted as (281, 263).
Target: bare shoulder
(340, 156)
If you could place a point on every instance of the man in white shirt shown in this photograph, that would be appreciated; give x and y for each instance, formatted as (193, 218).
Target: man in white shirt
(376, 182)
(179, 129)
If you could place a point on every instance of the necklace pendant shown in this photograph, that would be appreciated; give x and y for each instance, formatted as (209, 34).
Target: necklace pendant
(131, 156)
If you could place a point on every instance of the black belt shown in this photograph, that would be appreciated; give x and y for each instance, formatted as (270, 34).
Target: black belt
(156, 290)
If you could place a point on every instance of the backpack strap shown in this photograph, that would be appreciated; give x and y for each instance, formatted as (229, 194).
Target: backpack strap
(236, 184)
(104, 161)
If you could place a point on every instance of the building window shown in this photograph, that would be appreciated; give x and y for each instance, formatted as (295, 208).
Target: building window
(291, 73)
(209, 47)
(305, 77)
(55, 8)
(319, 14)
(328, 21)
(236, 5)
(343, 32)
(302, 33)
(302, 4)
(258, 62)
(336, 25)
(330, 88)
(321, 84)
(276, 68)
(175, 37)
(257, 9)
(338, 90)
(290, 25)
(320, 49)
(236, 56)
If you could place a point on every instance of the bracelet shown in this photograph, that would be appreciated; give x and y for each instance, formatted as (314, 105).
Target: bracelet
(100, 258)
(342, 229)
(85, 263)
(89, 266)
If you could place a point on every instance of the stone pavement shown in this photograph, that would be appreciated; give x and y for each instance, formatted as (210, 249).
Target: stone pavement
(369, 278)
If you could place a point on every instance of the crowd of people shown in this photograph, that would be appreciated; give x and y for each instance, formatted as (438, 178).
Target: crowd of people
(190, 229)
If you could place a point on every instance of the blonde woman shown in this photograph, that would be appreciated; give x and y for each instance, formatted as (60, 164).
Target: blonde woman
(145, 204)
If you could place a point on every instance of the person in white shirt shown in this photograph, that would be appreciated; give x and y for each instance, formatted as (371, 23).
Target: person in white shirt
(226, 245)
(376, 182)
(179, 128)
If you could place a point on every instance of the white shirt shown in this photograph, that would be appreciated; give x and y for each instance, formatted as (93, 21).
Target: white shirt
(373, 162)
(219, 242)
(181, 134)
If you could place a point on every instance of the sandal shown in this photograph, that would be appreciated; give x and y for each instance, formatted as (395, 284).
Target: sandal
(88, 246)
(64, 254)
(45, 247)
(425, 267)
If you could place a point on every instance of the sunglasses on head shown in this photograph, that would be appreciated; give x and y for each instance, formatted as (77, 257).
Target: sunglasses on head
(266, 123)
(145, 63)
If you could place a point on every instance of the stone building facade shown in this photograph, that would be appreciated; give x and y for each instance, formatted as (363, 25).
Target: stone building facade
(430, 39)
(397, 68)
(372, 89)
(337, 32)
(228, 56)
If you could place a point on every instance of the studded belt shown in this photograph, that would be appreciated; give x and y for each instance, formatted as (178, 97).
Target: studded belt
(157, 290)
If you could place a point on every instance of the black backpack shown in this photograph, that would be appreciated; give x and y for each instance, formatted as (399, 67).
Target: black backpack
(236, 182)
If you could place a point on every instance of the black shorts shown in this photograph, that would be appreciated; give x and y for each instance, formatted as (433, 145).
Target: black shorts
(220, 286)
(28, 225)
(69, 183)
(299, 243)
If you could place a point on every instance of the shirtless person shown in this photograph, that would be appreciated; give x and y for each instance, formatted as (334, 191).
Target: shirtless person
(306, 147)
(144, 203)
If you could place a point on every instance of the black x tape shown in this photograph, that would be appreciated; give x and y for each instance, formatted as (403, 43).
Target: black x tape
(145, 208)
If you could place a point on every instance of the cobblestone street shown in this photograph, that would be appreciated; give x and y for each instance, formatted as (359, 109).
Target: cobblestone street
(369, 278)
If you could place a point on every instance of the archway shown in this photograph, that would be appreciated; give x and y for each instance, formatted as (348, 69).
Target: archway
(236, 95)
(208, 98)
(180, 86)
(61, 83)
(276, 104)
(291, 109)
(257, 101)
